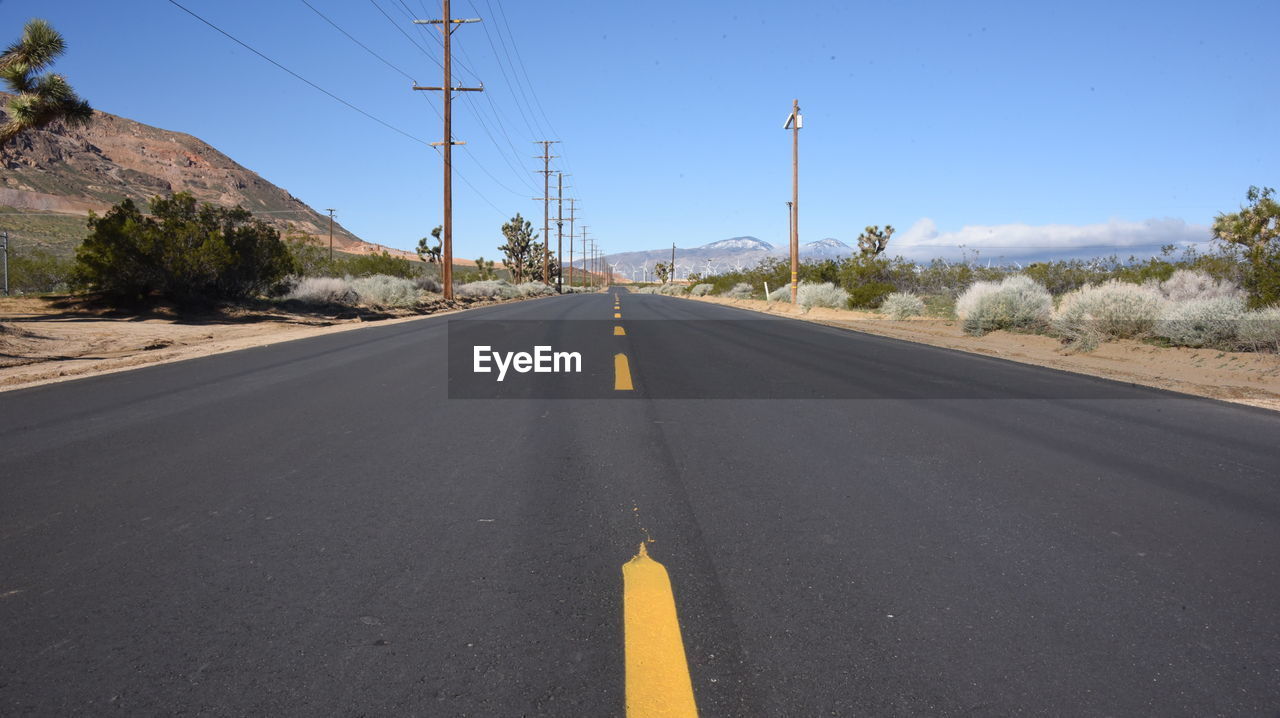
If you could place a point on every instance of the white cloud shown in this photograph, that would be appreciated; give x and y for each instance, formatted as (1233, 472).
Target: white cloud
(923, 241)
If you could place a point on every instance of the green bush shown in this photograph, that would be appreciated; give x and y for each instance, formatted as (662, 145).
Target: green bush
(869, 295)
(184, 251)
(380, 263)
(37, 270)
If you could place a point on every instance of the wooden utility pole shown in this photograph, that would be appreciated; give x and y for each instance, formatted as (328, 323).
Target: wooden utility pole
(794, 123)
(546, 158)
(559, 232)
(671, 271)
(586, 268)
(447, 25)
(331, 211)
(571, 217)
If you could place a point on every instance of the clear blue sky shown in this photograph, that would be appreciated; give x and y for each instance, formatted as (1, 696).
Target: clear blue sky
(931, 116)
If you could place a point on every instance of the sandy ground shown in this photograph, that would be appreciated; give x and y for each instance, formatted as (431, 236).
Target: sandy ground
(44, 340)
(1241, 377)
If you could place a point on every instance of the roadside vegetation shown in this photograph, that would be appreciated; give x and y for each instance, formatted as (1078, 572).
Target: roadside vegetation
(1227, 299)
(195, 254)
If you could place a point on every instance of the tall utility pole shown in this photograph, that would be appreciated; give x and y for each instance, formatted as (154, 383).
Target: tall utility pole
(560, 232)
(447, 25)
(571, 217)
(794, 123)
(331, 211)
(673, 262)
(546, 158)
(586, 274)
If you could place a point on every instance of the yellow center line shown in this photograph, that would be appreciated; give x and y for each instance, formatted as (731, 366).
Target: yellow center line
(658, 681)
(617, 315)
(619, 331)
(621, 373)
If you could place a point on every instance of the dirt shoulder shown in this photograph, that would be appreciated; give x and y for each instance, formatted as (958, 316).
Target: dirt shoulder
(49, 339)
(1240, 377)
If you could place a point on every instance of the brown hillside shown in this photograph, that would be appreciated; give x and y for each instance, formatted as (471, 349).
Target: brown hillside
(53, 175)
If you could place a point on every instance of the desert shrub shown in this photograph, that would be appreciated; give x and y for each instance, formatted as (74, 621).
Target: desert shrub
(368, 265)
(38, 270)
(1016, 302)
(901, 305)
(486, 289)
(671, 289)
(781, 294)
(385, 292)
(1187, 284)
(1202, 322)
(741, 290)
(322, 290)
(825, 294)
(869, 295)
(940, 305)
(428, 284)
(1259, 329)
(700, 290)
(1114, 309)
(534, 289)
(185, 251)
(570, 289)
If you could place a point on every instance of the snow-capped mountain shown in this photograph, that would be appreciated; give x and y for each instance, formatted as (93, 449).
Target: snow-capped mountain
(719, 256)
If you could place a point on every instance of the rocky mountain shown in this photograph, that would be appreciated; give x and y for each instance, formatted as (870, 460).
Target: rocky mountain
(721, 255)
(53, 177)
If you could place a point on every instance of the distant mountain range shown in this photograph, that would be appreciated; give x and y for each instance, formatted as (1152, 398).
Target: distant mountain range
(719, 256)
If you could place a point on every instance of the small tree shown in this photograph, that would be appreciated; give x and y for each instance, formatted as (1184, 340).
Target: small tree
(518, 247)
(427, 252)
(662, 271)
(38, 99)
(185, 251)
(873, 241)
(484, 268)
(1255, 229)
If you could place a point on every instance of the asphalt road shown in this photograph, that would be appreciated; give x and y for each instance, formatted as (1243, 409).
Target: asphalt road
(852, 525)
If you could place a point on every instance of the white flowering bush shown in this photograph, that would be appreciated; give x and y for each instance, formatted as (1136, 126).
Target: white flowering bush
(322, 290)
(385, 291)
(486, 289)
(1187, 284)
(741, 290)
(1259, 330)
(1017, 302)
(900, 305)
(1202, 322)
(821, 295)
(672, 289)
(534, 289)
(1112, 310)
(700, 290)
(782, 294)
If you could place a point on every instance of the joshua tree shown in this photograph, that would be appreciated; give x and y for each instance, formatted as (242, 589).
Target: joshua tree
(485, 268)
(39, 98)
(873, 241)
(519, 246)
(1256, 230)
(428, 253)
(662, 270)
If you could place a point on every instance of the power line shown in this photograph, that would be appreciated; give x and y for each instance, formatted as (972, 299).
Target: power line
(246, 46)
(361, 44)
